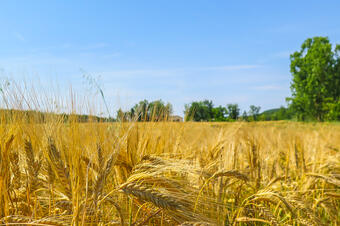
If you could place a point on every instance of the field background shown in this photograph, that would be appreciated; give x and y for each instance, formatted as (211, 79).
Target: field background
(164, 173)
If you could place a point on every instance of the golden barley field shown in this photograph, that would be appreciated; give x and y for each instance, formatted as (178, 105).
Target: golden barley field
(164, 173)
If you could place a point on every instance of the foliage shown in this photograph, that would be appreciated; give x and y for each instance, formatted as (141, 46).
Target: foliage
(316, 80)
(233, 111)
(245, 116)
(219, 114)
(199, 111)
(254, 112)
(205, 111)
(281, 113)
(147, 111)
(333, 112)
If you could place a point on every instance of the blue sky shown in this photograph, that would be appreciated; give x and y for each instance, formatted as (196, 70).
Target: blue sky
(177, 51)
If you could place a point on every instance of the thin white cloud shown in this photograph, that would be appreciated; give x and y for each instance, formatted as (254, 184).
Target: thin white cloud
(112, 55)
(155, 73)
(65, 46)
(136, 73)
(19, 37)
(283, 54)
(232, 67)
(269, 88)
(68, 46)
(98, 45)
(286, 28)
(33, 60)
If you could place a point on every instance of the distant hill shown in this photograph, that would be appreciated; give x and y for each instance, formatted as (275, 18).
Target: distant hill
(270, 111)
(281, 113)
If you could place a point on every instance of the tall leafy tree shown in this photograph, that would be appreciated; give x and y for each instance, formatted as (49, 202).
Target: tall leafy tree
(149, 111)
(233, 111)
(158, 110)
(254, 112)
(334, 106)
(120, 115)
(245, 116)
(219, 114)
(141, 110)
(316, 79)
(199, 111)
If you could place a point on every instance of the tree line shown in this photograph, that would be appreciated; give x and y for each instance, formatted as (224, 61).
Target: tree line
(206, 111)
(315, 88)
(200, 111)
(147, 111)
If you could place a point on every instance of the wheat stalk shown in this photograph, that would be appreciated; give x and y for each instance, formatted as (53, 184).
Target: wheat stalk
(231, 173)
(149, 195)
(15, 169)
(59, 168)
(33, 167)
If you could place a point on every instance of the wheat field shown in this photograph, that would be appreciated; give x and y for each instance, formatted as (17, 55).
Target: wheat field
(163, 173)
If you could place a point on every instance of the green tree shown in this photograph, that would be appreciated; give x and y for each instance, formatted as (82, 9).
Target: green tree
(333, 111)
(283, 113)
(141, 111)
(151, 111)
(316, 80)
(245, 116)
(254, 112)
(158, 110)
(199, 111)
(233, 111)
(120, 115)
(219, 114)
(126, 116)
